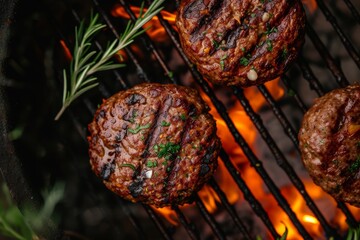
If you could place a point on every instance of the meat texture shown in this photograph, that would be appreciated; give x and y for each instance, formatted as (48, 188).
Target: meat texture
(330, 143)
(241, 42)
(154, 144)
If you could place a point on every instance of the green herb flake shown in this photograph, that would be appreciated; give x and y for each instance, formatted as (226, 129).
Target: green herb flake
(129, 165)
(269, 45)
(183, 116)
(271, 30)
(243, 49)
(138, 128)
(170, 74)
(215, 44)
(355, 166)
(165, 124)
(133, 116)
(151, 164)
(166, 150)
(284, 53)
(222, 61)
(244, 61)
(253, 15)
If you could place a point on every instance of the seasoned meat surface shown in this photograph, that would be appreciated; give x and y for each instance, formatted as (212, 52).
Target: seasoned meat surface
(154, 144)
(330, 143)
(241, 42)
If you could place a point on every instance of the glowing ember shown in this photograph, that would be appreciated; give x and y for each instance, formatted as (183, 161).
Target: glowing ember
(156, 31)
(310, 219)
(66, 50)
(245, 126)
(311, 5)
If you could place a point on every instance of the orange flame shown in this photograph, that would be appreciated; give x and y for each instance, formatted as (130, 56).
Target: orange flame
(245, 126)
(311, 5)
(66, 50)
(156, 31)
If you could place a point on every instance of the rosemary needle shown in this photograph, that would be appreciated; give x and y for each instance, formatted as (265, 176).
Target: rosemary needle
(86, 62)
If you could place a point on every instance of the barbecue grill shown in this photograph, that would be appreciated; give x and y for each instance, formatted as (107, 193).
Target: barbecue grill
(48, 151)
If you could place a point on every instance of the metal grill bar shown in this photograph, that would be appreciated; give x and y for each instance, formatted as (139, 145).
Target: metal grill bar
(283, 162)
(190, 228)
(151, 47)
(242, 143)
(91, 110)
(248, 195)
(133, 220)
(329, 60)
(277, 111)
(344, 39)
(353, 10)
(209, 219)
(289, 130)
(309, 76)
(141, 73)
(158, 222)
(298, 100)
(238, 223)
(349, 217)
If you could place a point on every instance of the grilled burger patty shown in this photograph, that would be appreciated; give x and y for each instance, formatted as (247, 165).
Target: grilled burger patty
(154, 144)
(241, 42)
(330, 143)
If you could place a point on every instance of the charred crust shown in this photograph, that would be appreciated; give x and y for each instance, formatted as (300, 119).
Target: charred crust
(204, 170)
(128, 162)
(206, 39)
(136, 188)
(106, 170)
(135, 98)
(193, 9)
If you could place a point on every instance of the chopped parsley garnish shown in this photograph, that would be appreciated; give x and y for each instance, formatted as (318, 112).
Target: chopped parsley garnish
(170, 74)
(272, 30)
(165, 123)
(215, 44)
(355, 166)
(269, 45)
(253, 15)
(243, 49)
(222, 62)
(219, 34)
(128, 165)
(284, 52)
(166, 150)
(183, 116)
(138, 128)
(244, 61)
(151, 164)
(133, 116)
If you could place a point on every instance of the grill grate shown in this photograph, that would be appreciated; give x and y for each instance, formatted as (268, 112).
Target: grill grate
(281, 160)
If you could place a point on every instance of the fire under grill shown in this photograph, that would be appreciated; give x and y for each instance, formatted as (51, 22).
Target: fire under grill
(152, 60)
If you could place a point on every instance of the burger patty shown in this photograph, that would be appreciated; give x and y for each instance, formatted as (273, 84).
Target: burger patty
(330, 143)
(154, 143)
(241, 42)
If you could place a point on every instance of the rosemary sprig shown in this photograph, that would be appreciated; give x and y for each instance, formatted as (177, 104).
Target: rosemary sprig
(86, 62)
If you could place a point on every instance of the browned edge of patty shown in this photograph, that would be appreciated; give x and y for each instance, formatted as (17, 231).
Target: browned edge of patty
(188, 124)
(228, 39)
